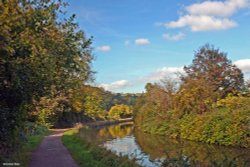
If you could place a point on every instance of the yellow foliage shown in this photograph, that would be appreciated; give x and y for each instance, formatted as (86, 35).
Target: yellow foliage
(120, 111)
(234, 102)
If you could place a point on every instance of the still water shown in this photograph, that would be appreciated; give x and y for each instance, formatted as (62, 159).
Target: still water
(155, 151)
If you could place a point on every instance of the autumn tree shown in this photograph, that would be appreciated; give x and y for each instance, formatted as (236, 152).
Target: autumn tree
(120, 111)
(211, 76)
(213, 66)
(157, 101)
(194, 96)
(161, 95)
(248, 84)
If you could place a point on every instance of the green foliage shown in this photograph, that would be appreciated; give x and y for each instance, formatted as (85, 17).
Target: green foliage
(48, 110)
(120, 111)
(41, 57)
(32, 136)
(32, 129)
(88, 155)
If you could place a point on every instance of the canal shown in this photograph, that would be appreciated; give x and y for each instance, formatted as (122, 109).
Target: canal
(155, 151)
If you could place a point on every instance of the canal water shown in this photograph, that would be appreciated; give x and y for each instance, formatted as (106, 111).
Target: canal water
(155, 151)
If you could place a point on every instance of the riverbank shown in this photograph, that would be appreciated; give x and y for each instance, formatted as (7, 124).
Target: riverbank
(87, 154)
(222, 127)
(147, 150)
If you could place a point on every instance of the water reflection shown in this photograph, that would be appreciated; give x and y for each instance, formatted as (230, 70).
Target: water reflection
(153, 151)
(191, 153)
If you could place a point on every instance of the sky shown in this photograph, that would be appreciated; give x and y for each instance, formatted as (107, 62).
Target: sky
(141, 41)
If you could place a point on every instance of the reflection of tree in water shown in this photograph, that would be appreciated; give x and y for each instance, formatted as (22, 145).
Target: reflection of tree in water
(105, 133)
(120, 131)
(176, 152)
(187, 153)
(115, 131)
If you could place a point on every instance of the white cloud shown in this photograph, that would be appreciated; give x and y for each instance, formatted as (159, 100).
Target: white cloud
(142, 41)
(162, 73)
(201, 23)
(115, 85)
(104, 48)
(243, 64)
(209, 15)
(175, 37)
(217, 8)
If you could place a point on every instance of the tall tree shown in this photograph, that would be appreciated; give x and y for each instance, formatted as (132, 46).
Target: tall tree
(216, 69)
(40, 53)
(210, 77)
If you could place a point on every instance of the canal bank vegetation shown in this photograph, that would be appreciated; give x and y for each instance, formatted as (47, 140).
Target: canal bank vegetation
(88, 154)
(31, 138)
(209, 103)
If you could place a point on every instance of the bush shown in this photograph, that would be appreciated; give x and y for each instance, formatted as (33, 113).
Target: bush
(234, 102)
(31, 128)
(29, 139)
(221, 127)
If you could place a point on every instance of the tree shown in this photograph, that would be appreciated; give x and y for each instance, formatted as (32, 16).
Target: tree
(248, 84)
(161, 95)
(213, 66)
(120, 111)
(209, 78)
(90, 101)
(196, 96)
(157, 102)
(41, 56)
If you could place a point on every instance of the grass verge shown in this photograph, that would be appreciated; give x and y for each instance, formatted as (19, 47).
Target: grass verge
(87, 154)
(23, 156)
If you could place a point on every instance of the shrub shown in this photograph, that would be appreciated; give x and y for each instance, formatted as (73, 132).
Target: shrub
(234, 102)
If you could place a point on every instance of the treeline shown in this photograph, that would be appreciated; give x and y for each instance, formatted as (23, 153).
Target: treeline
(83, 104)
(209, 103)
(89, 103)
(45, 69)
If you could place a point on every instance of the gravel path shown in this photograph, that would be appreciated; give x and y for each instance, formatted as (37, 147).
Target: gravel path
(52, 153)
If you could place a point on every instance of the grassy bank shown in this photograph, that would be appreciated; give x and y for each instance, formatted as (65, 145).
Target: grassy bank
(89, 155)
(33, 136)
(33, 142)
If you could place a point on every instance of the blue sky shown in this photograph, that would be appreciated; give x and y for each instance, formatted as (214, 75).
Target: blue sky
(140, 41)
